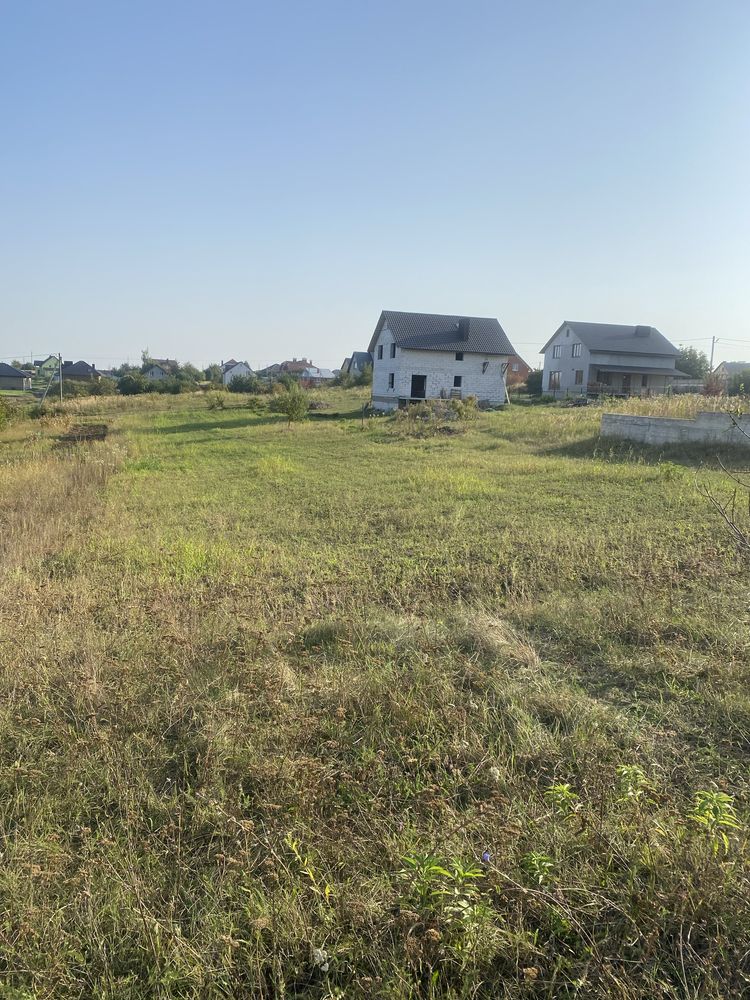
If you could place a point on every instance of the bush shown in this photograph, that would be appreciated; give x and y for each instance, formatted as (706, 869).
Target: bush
(103, 387)
(216, 401)
(534, 383)
(132, 384)
(244, 383)
(5, 412)
(292, 402)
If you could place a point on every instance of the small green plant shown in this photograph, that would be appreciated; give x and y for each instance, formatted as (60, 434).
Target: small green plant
(306, 867)
(562, 798)
(216, 401)
(715, 812)
(633, 783)
(538, 866)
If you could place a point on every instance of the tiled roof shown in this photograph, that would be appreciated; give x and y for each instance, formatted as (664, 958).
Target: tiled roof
(360, 359)
(77, 368)
(618, 338)
(8, 371)
(438, 332)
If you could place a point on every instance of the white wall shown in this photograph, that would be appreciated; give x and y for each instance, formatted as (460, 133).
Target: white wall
(237, 370)
(439, 367)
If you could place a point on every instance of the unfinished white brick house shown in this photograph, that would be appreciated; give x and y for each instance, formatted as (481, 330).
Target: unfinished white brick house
(419, 356)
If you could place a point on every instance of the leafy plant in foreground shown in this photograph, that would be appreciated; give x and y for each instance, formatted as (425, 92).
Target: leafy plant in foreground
(715, 812)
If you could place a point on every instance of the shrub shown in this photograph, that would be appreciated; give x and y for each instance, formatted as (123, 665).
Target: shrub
(103, 387)
(244, 383)
(5, 412)
(534, 383)
(292, 402)
(713, 386)
(216, 401)
(132, 384)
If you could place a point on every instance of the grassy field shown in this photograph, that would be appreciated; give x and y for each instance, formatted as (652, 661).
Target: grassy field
(341, 711)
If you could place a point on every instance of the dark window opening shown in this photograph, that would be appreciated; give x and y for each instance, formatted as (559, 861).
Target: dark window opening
(554, 380)
(380, 352)
(393, 350)
(390, 381)
(644, 381)
(459, 355)
(457, 381)
(579, 376)
(418, 386)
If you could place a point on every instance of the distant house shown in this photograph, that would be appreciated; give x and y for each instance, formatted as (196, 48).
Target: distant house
(160, 368)
(356, 364)
(312, 377)
(608, 359)
(518, 370)
(48, 366)
(270, 371)
(234, 369)
(728, 369)
(13, 378)
(428, 356)
(295, 367)
(79, 371)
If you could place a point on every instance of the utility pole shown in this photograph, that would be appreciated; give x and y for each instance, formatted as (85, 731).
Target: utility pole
(714, 341)
(59, 363)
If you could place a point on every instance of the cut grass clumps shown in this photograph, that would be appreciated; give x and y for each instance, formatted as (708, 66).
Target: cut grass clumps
(481, 635)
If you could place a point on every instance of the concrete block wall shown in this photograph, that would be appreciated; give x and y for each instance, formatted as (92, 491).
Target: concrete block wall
(708, 428)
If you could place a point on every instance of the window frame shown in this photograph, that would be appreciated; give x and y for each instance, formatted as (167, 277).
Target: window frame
(391, 380)
(556, 351)
(459, 355)
(380, 352)
(554, 380)
(575, 350)
(393, 350)
(579, 380)
(458, 381)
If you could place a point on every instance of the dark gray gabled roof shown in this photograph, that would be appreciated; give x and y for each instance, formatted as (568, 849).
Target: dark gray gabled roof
(360, 358)
(77, 368)
(437, 332)
(8, 371)
(615, 337)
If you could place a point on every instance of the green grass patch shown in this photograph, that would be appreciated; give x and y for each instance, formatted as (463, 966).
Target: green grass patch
(338, 711)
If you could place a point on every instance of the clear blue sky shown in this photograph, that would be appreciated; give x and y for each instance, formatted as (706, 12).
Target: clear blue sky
(260, 180)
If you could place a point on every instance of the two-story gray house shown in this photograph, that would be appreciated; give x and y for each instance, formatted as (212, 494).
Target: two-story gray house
(431, 356)
(608, 359)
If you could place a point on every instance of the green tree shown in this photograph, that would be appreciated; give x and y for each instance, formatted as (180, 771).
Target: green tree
(534, 382)
(132, 384)
(189, 373)
(365, 376)
(692, 361)
(244, 383)
(124, 369)
(213, 374)
(292, 402)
